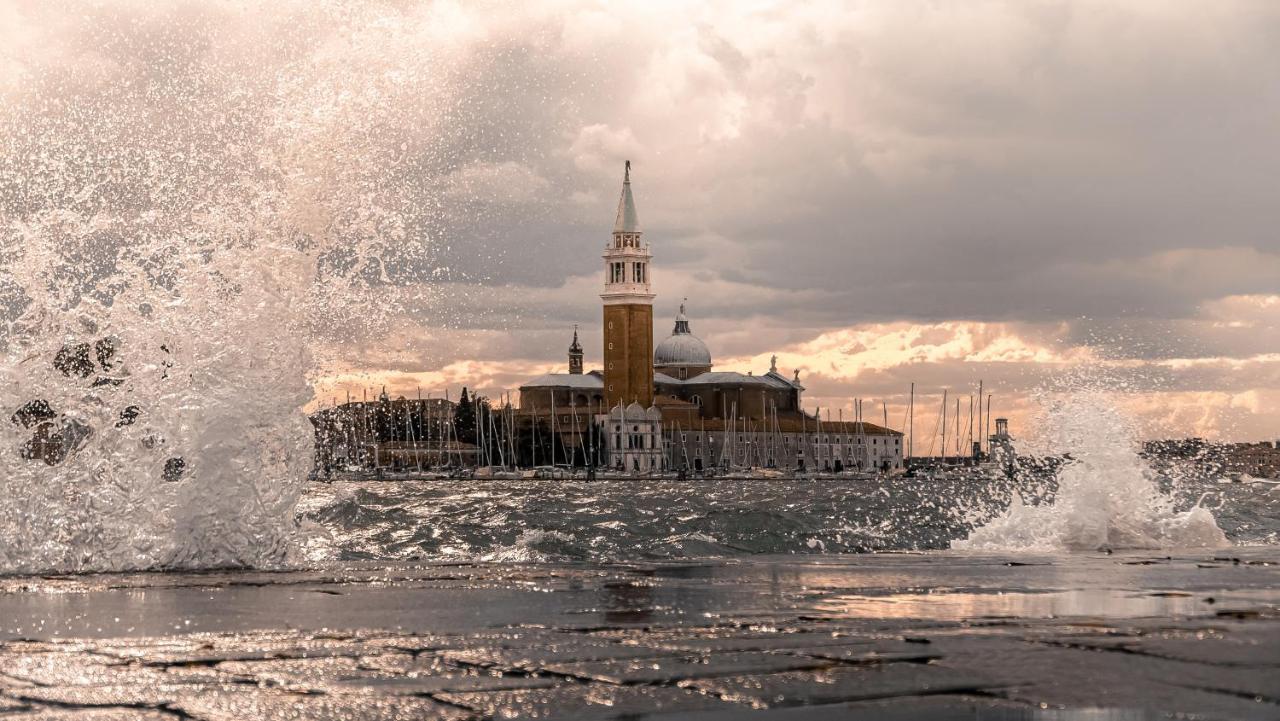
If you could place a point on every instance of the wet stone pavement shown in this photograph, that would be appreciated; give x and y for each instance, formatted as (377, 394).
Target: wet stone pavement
(888, 636)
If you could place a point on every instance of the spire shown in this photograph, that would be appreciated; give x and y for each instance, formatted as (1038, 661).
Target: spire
(627, 221)
(575, 353)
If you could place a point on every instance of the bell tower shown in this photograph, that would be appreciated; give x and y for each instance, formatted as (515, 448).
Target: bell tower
(628, 309)
(575, 354)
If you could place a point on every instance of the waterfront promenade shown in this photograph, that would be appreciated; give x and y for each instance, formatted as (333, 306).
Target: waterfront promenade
(875, 636)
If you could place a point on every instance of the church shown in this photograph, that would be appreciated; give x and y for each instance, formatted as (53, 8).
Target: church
(663, 408)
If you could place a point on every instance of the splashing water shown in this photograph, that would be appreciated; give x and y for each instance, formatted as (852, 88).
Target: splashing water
(1106, 497)
(185, 215)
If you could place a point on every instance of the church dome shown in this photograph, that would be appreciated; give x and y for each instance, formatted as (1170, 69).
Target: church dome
(682, 348)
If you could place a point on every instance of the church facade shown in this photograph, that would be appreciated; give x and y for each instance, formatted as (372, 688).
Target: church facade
(653, 409)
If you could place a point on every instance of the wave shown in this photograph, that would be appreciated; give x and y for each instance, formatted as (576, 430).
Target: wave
(1106, 496)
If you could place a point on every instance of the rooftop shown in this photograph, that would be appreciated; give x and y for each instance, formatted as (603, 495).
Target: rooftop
(587, 381)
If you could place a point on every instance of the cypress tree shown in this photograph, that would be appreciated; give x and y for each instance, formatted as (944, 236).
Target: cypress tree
(464, 418)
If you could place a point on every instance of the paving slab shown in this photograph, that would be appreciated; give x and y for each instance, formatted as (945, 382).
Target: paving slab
(245, 704)
(434, 685)
(843, 683)
(589, 701)
(672, 669)
(559, 652)
(96, 714)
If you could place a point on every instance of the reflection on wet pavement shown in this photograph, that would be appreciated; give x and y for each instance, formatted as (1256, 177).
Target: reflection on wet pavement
(899, 636)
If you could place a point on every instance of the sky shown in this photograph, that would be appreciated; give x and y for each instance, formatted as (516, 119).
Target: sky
(880, 193)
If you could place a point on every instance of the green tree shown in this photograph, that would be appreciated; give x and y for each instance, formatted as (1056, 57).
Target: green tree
(464, 418)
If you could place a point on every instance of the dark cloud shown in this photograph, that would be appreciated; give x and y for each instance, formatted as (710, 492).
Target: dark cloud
(1105, 171)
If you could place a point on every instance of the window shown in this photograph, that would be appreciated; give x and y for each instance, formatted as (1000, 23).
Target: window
(617, 272)
(637, 272)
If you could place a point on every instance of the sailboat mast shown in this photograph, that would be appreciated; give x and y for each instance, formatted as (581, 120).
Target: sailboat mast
(944, 426)
(981, 418)
(911, 423)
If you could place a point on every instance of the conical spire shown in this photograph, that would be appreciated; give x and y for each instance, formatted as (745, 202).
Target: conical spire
(628, 221)
(575, 354)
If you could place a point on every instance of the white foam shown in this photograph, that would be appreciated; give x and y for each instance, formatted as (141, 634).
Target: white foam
(1107, 496)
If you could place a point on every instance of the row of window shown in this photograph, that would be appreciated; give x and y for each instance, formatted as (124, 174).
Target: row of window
(635, 441)
(618, 272)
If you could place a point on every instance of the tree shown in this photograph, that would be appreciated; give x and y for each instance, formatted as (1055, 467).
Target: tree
(464, 418)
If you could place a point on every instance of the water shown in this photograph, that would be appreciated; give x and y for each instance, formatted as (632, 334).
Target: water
(201, 215)
(635, 520)
(1098, 494)
(196, 204)
(1105, 496)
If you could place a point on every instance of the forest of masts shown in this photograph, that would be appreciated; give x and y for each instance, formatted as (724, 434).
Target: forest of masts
(474, 431)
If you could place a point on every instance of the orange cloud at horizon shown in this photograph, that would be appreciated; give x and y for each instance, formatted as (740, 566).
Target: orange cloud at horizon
(877, 362)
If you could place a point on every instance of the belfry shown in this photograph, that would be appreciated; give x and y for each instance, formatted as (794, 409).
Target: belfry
(628, 309)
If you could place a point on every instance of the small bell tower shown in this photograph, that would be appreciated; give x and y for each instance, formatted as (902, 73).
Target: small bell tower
(575, 354)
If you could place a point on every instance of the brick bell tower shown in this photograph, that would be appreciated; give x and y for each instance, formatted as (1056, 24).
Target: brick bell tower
(628, 309)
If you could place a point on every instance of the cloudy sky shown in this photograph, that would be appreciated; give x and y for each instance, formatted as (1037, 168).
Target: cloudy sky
(878, 192)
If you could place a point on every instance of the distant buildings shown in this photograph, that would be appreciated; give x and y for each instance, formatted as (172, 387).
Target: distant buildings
(396, 434)
(1257, 460)
(1260, 460)
(648, 409)
(663, 408)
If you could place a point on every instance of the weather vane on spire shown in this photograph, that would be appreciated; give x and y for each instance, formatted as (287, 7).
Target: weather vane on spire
(626, 172)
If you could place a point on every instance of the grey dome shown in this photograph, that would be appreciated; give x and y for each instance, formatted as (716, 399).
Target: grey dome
(682, 348)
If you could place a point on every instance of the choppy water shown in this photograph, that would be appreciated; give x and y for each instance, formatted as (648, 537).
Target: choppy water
(631, 520)
(1097, 492)
(186, 243)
